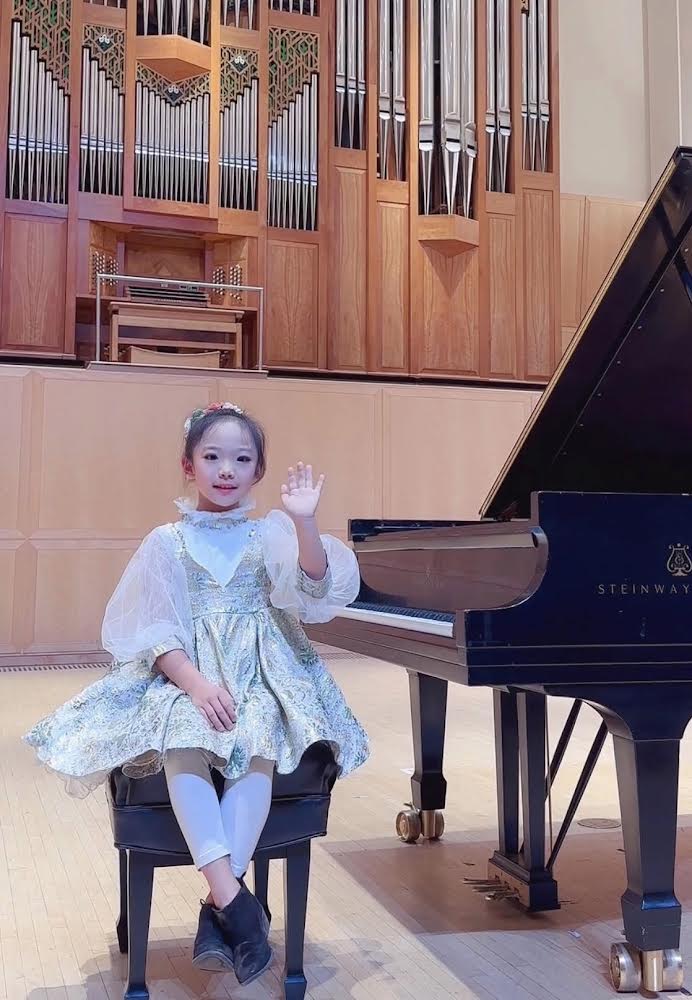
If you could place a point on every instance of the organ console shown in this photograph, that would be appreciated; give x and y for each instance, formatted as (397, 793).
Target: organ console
(580, 574)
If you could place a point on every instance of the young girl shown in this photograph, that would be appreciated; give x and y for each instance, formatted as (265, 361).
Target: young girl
(213, 670)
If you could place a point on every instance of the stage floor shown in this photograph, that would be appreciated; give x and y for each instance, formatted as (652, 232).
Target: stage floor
(385, 920)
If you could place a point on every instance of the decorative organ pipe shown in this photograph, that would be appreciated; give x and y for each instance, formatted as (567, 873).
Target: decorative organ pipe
(535, 76)
(239, 116)
(171, 143)
(293, 162)
(189, 18)
(350, 73)
(309, 7)
(37, 158)
(103, 122)
(447, 164)
(391, 100)
(293, 128)
(498, 119)
(239, 13)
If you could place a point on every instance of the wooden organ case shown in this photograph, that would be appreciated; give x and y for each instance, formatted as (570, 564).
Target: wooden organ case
(387, 170)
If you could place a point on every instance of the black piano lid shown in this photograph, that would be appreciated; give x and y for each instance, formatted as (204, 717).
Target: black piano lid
(617, 414)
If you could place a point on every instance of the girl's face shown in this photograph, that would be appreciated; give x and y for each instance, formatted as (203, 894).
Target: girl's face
(224, 466)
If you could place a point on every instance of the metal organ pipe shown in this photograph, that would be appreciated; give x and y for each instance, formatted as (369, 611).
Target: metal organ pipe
(188, 18)
(535, 77)
(101, 139)
(349, 80)
(38, 126)
(391, 101)
(292, 164)
(447, 165)
(171, 146)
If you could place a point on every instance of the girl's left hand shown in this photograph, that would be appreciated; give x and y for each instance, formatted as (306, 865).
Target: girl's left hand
(300, 498)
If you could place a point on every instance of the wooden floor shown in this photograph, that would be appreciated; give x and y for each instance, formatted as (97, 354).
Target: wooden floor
(385, 920)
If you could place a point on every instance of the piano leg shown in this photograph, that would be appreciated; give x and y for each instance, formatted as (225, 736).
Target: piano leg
(646, 738)
(428, 786)
(647, 772)
(520, 720)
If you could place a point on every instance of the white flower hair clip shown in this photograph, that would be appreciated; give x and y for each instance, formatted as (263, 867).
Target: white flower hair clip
(212, 408)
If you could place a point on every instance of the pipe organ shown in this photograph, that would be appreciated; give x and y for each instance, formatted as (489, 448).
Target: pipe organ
(387, 170)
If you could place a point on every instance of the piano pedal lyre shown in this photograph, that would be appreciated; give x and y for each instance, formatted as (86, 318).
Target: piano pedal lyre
(492, 889)
(656, 971)
(412, 824)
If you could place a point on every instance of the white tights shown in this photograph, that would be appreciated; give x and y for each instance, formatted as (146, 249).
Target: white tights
(213, 829)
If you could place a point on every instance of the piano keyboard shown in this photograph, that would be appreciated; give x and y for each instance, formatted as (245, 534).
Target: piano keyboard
(413, 619)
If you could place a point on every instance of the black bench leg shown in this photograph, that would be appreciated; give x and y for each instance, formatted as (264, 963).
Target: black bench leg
(296, 878)
(121, 926)
(261, 865)
(140, 881)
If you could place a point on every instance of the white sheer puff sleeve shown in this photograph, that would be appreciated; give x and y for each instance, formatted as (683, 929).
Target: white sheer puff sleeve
(294, 591)
(149, 613)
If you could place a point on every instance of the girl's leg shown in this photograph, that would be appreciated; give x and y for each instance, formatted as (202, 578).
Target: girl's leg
(245, 806)
(196, 807)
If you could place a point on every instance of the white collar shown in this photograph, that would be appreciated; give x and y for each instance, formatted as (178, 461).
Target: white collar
(213, 519)
(216, 541)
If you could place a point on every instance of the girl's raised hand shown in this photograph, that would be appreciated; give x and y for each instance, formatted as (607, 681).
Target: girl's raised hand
(300, 497)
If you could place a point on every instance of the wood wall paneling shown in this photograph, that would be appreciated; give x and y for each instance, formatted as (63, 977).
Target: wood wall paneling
(392, 288)
(592, 231)
(447, 342)
(442, 450)
(120, 463)
(161, 261)
(539, 283)
(572, 215)
(502, 279)
(292, 304)
(33, 285)
(70, 514)
(347, 290)
(606, 227)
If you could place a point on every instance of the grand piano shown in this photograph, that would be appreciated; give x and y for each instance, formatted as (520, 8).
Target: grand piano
(575, 583)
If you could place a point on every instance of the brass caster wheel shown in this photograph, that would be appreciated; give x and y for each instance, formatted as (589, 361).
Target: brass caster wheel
(625, 968)
(408, 826)
(433, 823)
(673, 973)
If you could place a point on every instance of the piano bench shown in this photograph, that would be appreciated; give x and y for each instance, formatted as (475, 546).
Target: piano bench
(147, 836)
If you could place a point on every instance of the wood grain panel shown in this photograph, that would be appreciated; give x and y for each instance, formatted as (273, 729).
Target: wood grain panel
(478, 426)
(391, 334)
(539, 279)
(32, 315)
(606, 228)
(292, 320)
(8, 558)
(12, 389)
(572, 215)
(186, 263)
(346, 334)
(109, 453)
(73, 585)
(566, 334)
(447, 342)
(503, 298)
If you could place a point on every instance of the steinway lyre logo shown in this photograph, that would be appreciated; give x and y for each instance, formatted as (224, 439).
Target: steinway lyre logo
(679, 561)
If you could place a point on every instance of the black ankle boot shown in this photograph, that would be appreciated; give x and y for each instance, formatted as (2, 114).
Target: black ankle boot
(211, 953)
(245, 928)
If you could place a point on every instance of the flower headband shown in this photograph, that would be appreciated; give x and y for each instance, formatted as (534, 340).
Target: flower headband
(213, 408)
